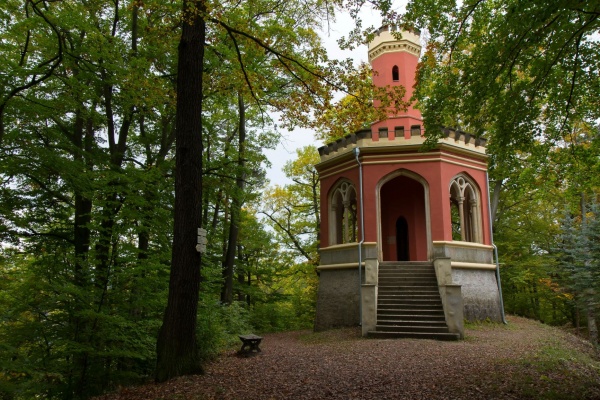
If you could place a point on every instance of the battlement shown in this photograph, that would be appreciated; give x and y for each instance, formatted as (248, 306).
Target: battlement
(384, 138)
(461, 136)
(348, 140)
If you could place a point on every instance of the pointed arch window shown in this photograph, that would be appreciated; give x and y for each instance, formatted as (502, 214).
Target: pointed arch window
(465, 210)
(343, 210)
(395, 73)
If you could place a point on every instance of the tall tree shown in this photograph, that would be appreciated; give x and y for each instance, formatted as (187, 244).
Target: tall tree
(296, 63)
(177, 352)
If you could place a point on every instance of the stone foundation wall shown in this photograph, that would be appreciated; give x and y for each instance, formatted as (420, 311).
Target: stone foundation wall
(480, 294)
(338, 299)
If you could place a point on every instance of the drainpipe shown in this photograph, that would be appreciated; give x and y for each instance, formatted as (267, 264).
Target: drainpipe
(487, 183)
(362, 233)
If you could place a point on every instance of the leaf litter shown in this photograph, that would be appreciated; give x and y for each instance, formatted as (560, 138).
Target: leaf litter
(494, 362)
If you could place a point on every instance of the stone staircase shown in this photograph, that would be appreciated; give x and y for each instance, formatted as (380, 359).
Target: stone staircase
(409, 303)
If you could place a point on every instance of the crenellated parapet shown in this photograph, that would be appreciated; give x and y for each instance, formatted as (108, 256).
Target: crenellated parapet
(348, 140)
(461, 136)
(399, 137)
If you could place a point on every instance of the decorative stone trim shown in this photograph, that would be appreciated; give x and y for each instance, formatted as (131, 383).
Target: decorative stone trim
(339, 266)
(463, 244)
(403, 45)
(386, 42)
(341, 246)
(468, 265)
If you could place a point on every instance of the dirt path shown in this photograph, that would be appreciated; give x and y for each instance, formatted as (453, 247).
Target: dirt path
(522, 360)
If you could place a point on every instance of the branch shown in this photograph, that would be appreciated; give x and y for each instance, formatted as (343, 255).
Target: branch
(246, 78)
(573, 80)
(54, 62)
(57, 195)
(290, 235)
(460, 28)
(278, 54)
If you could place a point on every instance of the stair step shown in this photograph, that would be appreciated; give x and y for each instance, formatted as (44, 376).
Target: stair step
(413, 308)
(400, 263)
(409, 311)
(407, 287)
(409, 303)
(422, 313)
(410, 294)
(408, 281)
(425, 323)
(412, 298)
(407, 316)
(428, 280)
(421, 301)
(408, 290)
(391, 272)
(414, 335)
(411, 328)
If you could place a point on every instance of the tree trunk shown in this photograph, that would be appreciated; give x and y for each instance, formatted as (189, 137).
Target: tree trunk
(236, 207)
(176, 347)
(81, 240)
(495, 201)
(591, 318)
(83, 204)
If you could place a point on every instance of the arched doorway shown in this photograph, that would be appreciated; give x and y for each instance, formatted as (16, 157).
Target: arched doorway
(402, 249)
(403, 218)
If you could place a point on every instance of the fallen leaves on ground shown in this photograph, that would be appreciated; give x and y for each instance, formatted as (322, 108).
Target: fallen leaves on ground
(493, 362)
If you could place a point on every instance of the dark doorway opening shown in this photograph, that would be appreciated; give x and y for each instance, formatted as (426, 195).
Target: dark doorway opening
(402, 239)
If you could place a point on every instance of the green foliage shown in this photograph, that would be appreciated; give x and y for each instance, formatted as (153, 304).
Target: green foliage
(578, 257)
(515, 70)
(293, 213)
(293, 210)
(219, 327)
(52, 328)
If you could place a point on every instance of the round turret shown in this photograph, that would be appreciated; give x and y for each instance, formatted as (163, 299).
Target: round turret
(394, 62)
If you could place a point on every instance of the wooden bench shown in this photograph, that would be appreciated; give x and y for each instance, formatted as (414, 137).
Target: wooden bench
(250, 344)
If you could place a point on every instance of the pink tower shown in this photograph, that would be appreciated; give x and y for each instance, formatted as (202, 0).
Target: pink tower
(395, 217)
(394, 63)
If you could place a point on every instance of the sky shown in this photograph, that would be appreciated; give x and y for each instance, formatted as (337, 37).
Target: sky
(292, 140)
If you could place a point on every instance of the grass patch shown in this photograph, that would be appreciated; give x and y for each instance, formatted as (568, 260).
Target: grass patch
(488, 324)
(558, 370)
(556, 355)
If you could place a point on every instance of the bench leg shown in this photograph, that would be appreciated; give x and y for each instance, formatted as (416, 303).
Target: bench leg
(250, 346)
